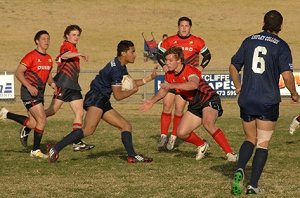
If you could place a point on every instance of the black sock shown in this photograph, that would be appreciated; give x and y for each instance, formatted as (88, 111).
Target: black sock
(245, 154)
(127, 142)
(37, 138)
(258, 164)
(15, 117)
(72, 137)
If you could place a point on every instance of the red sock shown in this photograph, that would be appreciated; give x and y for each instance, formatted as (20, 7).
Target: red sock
(176, 121)
(26, 122)
(194, 139)
(165, 121)
(76, 125)
(220, 138)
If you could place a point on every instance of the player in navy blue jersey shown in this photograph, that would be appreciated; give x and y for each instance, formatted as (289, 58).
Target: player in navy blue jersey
(97, 103)
(263, 57)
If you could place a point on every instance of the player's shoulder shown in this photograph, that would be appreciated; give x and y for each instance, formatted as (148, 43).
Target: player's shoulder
(67, 45)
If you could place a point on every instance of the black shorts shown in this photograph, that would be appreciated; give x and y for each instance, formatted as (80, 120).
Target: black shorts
(173, 91)
(271, 114)
(214, 102)
(68, 95)
(30, 103)
(96, 99)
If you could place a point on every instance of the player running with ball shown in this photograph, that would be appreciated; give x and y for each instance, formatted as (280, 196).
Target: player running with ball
(97, 103)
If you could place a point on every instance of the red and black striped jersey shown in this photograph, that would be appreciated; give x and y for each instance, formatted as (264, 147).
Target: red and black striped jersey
(38, 69)
(202, 94)
(67, 69)
(190, 45)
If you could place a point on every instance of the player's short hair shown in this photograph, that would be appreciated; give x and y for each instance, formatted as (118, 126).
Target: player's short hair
(184, 18)
(39, 34)
(71, 28)
(124, 46)
(177, 51)
(272, 21)
(164, 35)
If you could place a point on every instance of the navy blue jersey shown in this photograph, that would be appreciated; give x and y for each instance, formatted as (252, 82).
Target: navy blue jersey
(110, 75)
(264, 57)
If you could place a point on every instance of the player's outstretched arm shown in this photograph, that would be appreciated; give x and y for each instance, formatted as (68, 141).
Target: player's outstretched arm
(147, 104)
(146, 79)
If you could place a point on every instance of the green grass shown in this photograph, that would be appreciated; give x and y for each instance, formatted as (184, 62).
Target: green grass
(103, 171)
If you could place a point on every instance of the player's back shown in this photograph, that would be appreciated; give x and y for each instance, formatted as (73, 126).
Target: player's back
(266, 56)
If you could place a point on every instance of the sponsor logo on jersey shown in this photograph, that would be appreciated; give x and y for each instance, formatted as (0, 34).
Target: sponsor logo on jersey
(190, 49)
(113, 63)
(44, 67)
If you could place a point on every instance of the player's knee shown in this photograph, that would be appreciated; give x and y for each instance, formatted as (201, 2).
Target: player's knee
(263, 138)
(126, 126)
(208, 125)
(88, 130)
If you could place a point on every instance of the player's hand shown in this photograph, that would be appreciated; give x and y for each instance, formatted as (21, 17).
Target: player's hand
(147, 104)
(154, 72)
(32, 90)
(84, 57)
(295, 97)
(165, 68)
(238, 90)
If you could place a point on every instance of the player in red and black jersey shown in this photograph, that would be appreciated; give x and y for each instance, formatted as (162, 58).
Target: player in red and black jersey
(204, 103)
(66, 81)
(34, 71)
(192, 47)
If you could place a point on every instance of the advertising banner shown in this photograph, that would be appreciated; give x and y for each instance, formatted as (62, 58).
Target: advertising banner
(7, 87)
(222, 83)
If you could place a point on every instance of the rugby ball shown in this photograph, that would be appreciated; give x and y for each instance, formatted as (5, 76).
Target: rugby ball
(127, 83)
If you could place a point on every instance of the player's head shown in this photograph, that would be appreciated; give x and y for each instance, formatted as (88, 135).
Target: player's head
(72, 33)
(272, 21)
(126, 51)
(174, 58)
(42, 40)
(39, 34)
(164, 36)
(184, 26)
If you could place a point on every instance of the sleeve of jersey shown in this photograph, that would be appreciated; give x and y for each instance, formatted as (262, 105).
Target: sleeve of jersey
(66, 47)
(27, 60)
(116, 76)
(238, 59)
(285, 59)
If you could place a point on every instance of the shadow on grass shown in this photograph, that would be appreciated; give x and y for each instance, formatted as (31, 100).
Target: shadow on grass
(228, 169)
(116, 152)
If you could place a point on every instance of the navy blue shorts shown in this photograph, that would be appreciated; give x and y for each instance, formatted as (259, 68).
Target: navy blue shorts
(96, 99)
(269, 114)
(214, 102)
(67, 95)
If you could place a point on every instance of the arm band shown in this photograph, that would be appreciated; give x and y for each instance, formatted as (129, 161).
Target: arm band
(206, 58)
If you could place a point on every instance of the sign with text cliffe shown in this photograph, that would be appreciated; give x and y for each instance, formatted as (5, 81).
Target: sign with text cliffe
(222, 83)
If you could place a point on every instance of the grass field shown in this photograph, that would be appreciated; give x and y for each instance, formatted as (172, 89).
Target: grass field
(103, 171)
